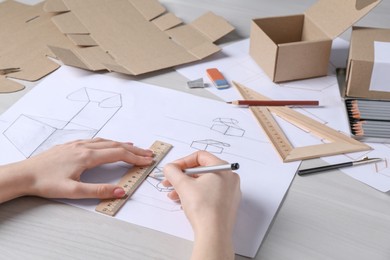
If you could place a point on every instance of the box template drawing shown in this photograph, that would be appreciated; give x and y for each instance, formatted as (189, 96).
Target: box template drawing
(83, 123)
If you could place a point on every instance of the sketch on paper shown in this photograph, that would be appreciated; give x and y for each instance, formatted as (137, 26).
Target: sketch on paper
(143, 118)
(238, 65)
(223, 125)
(151, 192)
(96, 108)
(311, 85)
(228, 130)
(227, 126)
(209, 145)
(156, 183)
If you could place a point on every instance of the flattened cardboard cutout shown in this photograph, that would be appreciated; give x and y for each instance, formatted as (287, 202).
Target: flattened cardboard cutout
(25, 32)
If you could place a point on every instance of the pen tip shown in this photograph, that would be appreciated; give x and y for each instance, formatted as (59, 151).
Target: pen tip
(229, 102)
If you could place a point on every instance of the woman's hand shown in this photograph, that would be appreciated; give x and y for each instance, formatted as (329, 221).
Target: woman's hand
(210, 202)
(56, 172)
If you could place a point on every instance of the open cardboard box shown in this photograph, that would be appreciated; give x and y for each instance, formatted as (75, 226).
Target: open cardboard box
(298, 46)
(361, 61)
(131, 36)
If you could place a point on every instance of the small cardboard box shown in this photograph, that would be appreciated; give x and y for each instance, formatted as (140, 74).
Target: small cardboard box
(298, 46)
(364, 67)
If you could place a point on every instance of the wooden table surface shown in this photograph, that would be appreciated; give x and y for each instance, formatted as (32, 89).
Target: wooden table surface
(327, 216)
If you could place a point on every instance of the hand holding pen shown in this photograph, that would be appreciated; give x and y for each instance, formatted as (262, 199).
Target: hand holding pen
(210, 202)
(204, 169)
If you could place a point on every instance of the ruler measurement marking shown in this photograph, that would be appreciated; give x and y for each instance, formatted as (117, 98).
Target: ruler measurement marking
(339, 144)
(131, 180)
(268, 123)
(280, 142)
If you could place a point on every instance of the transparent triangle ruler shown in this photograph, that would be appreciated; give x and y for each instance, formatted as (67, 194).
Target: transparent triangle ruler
(338, 142)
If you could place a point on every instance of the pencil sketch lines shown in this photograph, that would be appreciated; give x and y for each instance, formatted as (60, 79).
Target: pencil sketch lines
(151, 200)
(311, 84)
(209, 145)
(176, 142)
(227, 126)
(186, 121)
(157, 184)
(33, 134)
(312, 115)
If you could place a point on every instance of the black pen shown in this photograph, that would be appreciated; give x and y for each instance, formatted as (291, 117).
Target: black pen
(338, 166)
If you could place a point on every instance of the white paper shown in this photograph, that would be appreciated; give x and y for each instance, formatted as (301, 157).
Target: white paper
(236, 64)
(376, 175)
(71, 104)
(380, 77)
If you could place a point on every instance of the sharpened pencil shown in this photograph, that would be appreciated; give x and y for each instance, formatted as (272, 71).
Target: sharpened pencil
(369, 118)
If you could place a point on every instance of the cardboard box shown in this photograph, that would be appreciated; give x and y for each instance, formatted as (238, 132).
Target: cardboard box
(132, 36)
(298, 46)
(361, 61)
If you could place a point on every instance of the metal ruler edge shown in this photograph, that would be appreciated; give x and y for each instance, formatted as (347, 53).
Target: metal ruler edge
(133, 178)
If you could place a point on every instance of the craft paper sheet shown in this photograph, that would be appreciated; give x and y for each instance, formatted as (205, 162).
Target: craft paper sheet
(75, 104)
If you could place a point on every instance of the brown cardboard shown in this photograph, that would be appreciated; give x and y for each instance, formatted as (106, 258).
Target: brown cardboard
(298, 46)
(131, 36)
(361, 62)
(25, 32)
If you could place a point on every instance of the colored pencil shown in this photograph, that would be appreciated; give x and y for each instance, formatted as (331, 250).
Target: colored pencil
(369, 118)
(373, 112)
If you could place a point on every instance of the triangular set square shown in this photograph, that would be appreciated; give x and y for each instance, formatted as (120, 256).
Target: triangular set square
(338, 142)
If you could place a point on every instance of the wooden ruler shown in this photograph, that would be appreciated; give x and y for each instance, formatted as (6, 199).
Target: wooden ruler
(133, 179)
(338, 143)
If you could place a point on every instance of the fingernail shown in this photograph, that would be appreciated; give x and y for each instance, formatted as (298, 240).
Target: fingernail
(150, 160)
(119, 193)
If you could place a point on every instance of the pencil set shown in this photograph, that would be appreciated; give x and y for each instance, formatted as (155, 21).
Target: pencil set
(369, 119)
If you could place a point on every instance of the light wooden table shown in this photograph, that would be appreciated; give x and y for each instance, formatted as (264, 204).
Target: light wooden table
(326, 216)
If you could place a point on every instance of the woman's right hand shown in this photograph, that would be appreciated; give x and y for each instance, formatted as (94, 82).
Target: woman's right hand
(210, 202)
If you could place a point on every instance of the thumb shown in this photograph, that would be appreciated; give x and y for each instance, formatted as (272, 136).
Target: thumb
(99, 191)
